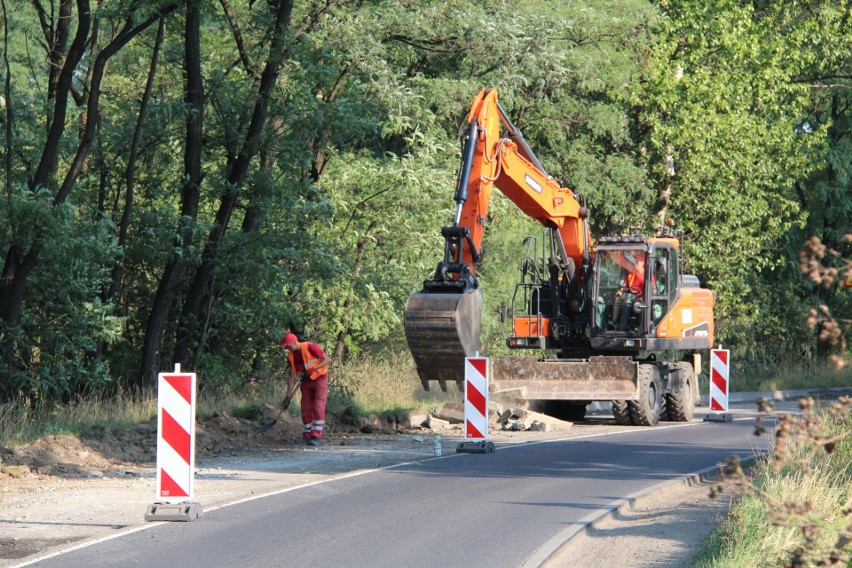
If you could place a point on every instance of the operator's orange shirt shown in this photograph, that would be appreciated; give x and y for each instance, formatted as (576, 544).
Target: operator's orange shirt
(635, 281)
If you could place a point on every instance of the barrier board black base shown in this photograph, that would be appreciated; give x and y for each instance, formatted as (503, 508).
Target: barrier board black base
(484, 447)
(723, 417)
(187, 511)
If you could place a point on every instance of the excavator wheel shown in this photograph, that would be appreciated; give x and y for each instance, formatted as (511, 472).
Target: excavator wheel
(621, 412)
(681, 405)
(646, 410)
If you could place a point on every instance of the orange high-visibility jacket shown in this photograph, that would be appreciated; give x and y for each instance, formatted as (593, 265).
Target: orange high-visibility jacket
(310, 360)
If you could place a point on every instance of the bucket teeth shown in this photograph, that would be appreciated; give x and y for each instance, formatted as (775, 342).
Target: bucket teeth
(442, 329)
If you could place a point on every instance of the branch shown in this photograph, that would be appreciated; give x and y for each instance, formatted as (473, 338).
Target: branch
(123, 38)
(426, 45)
(49, 154)
(238, 38)
(358, 208)
(312, 20)
(42, 19)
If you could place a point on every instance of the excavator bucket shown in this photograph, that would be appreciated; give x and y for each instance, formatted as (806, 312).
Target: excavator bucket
(442, 328)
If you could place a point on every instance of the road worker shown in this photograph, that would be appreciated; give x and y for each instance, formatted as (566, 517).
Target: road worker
(630, 291)
(309, 363)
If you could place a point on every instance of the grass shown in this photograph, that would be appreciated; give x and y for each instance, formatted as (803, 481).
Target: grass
(788, 377)
(367, 385)
(798, 509)
(379, 386)
(20, 424)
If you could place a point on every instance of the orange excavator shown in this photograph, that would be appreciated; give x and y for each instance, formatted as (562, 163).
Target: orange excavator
(595, 315)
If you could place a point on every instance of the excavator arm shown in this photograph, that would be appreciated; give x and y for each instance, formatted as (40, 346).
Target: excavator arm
(442, 320)
(508, 163)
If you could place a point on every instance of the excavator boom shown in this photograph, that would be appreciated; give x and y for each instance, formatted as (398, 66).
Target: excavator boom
(442, 320)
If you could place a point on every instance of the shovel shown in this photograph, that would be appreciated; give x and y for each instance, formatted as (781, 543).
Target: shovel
(285, 405)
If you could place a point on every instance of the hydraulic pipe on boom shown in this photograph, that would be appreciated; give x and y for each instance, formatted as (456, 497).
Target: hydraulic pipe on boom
(464, 173)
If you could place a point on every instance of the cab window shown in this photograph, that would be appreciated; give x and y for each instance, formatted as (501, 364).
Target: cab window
(662, 288)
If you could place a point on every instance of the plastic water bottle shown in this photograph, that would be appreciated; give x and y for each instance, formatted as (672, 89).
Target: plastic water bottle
(437, 445)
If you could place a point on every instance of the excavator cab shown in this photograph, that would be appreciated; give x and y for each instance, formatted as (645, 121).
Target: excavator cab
(642, 299)
(621, 294)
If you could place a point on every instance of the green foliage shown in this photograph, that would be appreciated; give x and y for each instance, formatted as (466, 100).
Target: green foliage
(54, 351)
(726, 94)
(252, 412)
(338, 218)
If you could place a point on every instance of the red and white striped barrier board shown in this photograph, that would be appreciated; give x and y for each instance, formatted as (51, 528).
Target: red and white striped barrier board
(719, 379)
(175, 436)
(476, 398)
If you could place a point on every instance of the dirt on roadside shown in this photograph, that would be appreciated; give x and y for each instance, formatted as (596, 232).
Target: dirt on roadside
(65, 488)
(100, 449)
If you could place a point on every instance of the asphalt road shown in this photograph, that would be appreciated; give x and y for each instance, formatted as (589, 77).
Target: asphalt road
(467, 510)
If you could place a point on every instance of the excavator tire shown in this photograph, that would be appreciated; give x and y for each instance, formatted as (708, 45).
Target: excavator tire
(621, 412)
(665, 416)
(646, 410)
(681, 405)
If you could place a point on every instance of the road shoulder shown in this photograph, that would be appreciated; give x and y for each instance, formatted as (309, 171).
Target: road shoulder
(665, 528)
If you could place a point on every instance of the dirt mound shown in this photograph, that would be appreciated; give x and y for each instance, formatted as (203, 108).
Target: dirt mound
(56, 455)
(102, 449)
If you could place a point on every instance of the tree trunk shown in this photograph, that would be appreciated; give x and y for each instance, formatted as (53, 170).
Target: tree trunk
(130, 171)
(126, 34)
(168, 287)
(194, 303)
(21, 257)
(340, 348)
(10, 115)
(57, 40)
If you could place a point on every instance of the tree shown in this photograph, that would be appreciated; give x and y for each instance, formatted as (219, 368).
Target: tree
(238, 169)
(190, 195)
(53, 175)
(721, 112)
